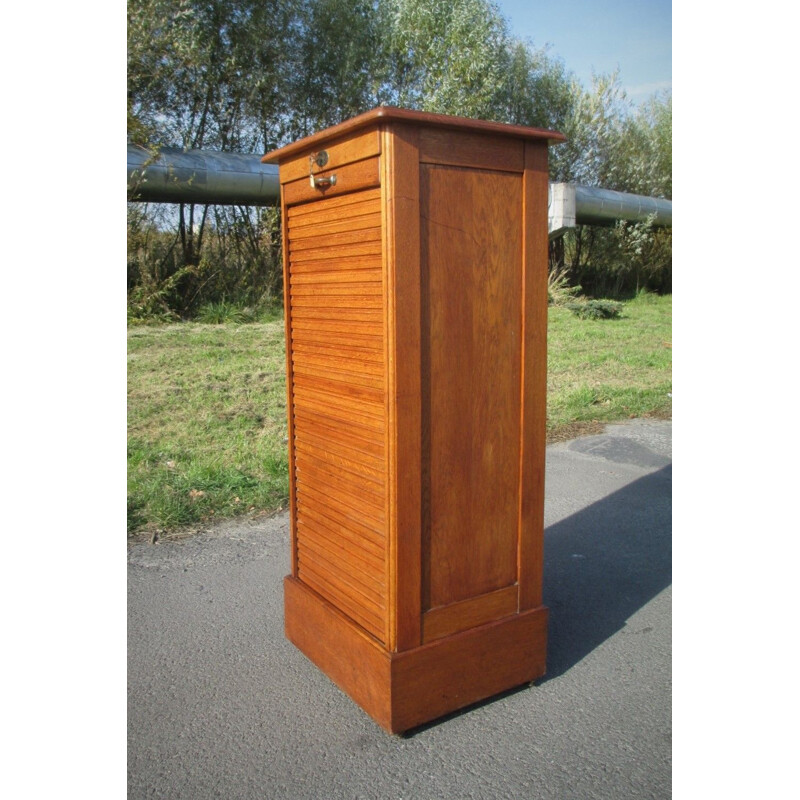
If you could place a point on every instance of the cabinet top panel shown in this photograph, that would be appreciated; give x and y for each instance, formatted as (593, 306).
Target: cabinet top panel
(420, 118)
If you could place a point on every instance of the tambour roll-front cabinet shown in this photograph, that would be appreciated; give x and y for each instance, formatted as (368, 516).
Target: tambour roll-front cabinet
(415, 276)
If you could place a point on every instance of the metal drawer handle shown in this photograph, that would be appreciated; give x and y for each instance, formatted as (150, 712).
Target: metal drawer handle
(322, 183)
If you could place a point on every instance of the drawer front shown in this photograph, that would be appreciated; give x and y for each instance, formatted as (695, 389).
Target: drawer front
(332, 182)
(337, 153)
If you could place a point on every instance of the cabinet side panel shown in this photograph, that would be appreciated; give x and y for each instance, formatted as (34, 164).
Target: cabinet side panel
(337, 368)
(472, 263)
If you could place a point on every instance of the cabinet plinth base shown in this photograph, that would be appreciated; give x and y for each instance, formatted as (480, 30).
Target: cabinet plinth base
(403, 690)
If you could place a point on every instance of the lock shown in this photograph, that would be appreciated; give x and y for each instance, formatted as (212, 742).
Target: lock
(320, 159)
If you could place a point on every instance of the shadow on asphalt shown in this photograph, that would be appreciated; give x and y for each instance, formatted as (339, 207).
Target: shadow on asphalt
(603, 564)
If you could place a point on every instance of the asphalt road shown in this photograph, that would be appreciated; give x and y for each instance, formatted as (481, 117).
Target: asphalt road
(220, 705)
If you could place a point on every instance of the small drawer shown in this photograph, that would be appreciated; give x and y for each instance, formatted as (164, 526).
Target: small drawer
(332, 182)
(335, 155)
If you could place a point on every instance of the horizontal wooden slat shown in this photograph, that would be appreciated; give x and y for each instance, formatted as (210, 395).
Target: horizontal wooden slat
(322, 290)
(317, 228)
(315, 217)
(333, 205)
(363, 346)
(347, 363)
(369, 543)
(362, 398)
(328, 312)
(323, 251)
(344, 499)
(371, 379)
(318, 579)
(334, 458)
(370, 602)
(366, 416)
(443, 621)
(359, 355)
(361, 489)
(338, 302)
(354, 571)
(356, 461)
(328, 272)
(335, 242)
(356, 435)
(369, 328)
(342, 502)
(344, 559)
(330, 506)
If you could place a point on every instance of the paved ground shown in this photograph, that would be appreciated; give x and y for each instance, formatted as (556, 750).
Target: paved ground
(221, 706)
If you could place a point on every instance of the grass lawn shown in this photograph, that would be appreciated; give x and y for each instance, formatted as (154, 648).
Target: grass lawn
(206, 423)
(207, 405)
(600, 371)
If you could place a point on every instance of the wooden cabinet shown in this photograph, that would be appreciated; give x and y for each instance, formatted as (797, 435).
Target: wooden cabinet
(415, 269)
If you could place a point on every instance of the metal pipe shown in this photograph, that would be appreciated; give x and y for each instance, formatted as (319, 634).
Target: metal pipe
(200, 176)
(572, 204)
(595, 206)
(206, 176)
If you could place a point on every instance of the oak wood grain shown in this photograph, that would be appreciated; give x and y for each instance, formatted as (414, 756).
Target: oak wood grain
(337, 353)
(349, 178)
(353, 659)
(446, 620)
(406, 689)
(421, 119)
(402, 248)
(456, 671)
(473, 150)
(471, 257)
(534, 386)
(333, 208)
(416, 310)
(340, 152)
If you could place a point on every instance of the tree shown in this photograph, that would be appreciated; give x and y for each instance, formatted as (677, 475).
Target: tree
(251, 75)
(447, 56)
(209, 75)
(341, 66)
(537, 89)
(612, 144)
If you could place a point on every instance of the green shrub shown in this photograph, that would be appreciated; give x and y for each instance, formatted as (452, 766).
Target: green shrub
(596, 309)
(223, 312)
(226, 312)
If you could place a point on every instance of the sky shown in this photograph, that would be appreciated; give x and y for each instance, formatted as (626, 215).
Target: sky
(634, 36)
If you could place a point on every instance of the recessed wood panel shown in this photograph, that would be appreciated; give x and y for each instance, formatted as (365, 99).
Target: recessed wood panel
(471, 283)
